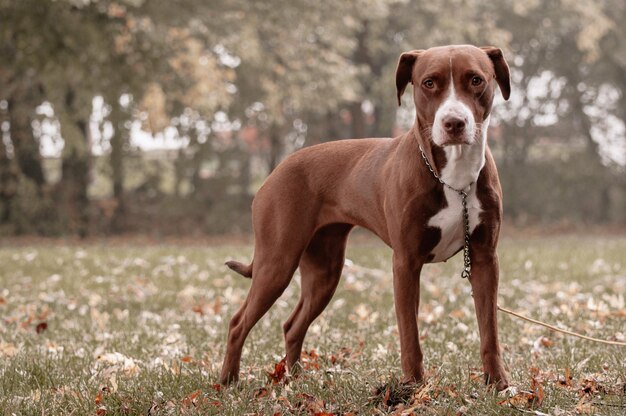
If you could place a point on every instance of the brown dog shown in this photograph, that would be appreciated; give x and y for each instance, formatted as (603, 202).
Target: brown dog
(304, 212)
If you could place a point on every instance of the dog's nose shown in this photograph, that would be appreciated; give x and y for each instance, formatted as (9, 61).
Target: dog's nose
(454, 125)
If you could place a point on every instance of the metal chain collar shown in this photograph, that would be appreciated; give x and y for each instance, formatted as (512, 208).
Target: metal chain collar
(467, 263)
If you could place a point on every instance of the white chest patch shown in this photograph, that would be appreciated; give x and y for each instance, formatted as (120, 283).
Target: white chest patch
(464, 163)
(450, 221)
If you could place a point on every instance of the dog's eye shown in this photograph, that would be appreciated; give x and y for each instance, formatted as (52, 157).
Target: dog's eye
(476, 81)
(428, 83)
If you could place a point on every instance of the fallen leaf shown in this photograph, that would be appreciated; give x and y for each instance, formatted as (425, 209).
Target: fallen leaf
(537, 388)
(41, 326)
(525, 398)
(476, 375)
(309, 360)
(546, 342)
(566, 379)
(387, 396)
(191, 399)
(310, 403)
(260, 393)
(280, 369)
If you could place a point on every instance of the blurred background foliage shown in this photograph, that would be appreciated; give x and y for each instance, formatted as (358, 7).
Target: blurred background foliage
(164, 117)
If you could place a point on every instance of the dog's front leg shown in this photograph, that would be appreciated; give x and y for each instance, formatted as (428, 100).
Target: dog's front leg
(484, 282)
(406, 278)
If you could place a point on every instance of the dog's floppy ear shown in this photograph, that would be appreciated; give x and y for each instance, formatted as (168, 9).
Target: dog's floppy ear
(404, 71)
(503, 76)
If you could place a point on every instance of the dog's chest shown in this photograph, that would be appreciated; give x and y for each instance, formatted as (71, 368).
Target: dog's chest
(457, 173)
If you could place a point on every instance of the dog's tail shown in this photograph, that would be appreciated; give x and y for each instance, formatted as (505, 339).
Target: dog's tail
(242, 269)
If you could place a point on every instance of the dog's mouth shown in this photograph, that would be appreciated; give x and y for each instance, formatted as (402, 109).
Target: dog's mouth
(465, 138)
(455, 141)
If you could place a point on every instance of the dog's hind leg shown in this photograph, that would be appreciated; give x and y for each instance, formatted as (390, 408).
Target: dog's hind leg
(276, 275)
(320, 268)
(277, 251)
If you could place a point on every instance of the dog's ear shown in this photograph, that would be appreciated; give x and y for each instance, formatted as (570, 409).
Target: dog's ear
(503, 76)
(404, 71)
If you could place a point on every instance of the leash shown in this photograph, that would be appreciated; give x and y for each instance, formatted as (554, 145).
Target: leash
(563, 331)
(467, 264)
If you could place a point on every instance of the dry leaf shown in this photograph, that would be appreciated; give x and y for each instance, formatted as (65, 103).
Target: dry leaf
(260, 393)
(280, 370)
(191, 399)
(42, 326)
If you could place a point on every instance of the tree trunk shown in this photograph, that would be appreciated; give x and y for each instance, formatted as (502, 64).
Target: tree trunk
(118, 140)
(75, 167)
(8, 184)
(25, 148)
(75, 180)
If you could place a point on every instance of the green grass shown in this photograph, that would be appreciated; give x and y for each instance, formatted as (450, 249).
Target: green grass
(131, 329)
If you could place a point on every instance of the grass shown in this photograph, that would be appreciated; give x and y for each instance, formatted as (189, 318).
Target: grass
(131, 329)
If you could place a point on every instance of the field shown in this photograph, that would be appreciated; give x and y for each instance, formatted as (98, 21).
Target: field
(130, 328)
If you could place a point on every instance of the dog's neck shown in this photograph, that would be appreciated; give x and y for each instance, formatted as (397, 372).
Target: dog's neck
(457, 165)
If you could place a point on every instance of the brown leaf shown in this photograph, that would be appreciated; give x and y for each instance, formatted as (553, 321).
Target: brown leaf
(423, 393)
(565, 380)
(309, 360)
(537, 388)
(528, 399)
(450, 390)
(41, 326)
(260, 393)
(476, 375)
(521, 399)
(387, 396)
(280, 369)
(546, 342)
(310, 403)
(191, 399)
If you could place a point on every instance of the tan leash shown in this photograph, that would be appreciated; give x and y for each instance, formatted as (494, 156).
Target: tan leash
(563, 331)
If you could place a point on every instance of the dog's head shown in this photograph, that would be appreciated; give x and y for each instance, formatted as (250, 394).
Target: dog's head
(453, 89)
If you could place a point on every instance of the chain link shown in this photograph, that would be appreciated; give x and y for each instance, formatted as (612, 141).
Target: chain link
(467, 263)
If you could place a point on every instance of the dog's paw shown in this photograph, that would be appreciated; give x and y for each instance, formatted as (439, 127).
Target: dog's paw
(228, 378)
(498, 381)
(494, 373)
(501, 384)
